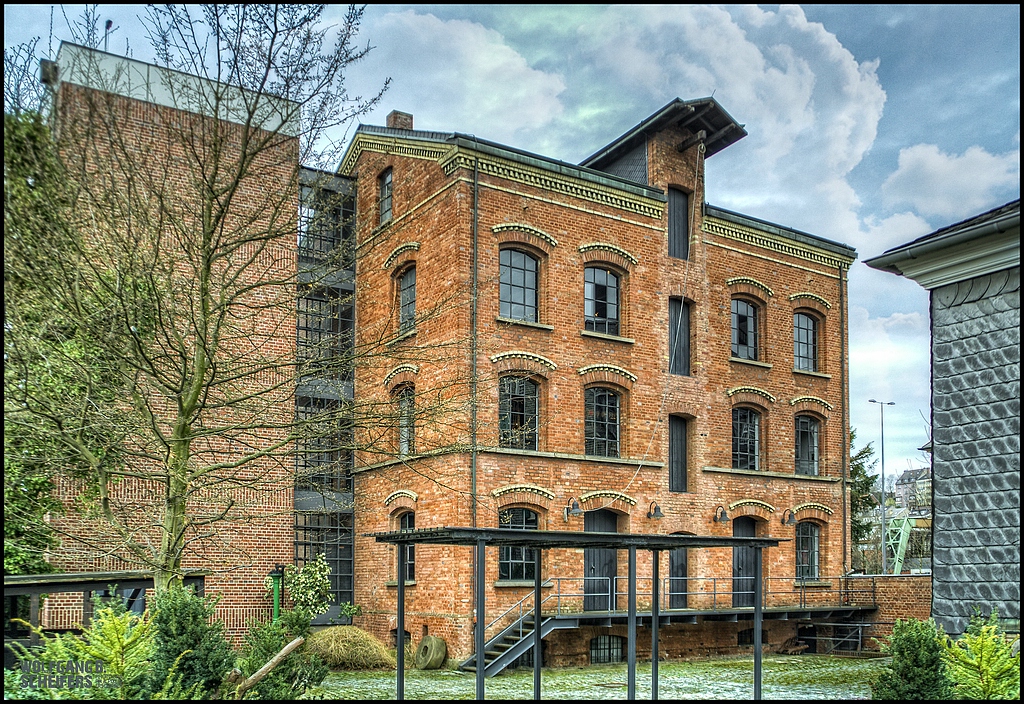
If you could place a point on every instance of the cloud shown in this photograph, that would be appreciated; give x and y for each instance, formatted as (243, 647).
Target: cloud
(890, 361)
(457, 75)
(951, 186)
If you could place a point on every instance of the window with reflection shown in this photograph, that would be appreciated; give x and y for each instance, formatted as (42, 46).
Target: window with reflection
(601, 300)
(516, 563)
(517, 413)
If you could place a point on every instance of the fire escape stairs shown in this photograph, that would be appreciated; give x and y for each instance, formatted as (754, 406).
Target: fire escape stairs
(516, 639)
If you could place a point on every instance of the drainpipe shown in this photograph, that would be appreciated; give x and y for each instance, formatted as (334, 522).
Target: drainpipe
(478, 554)
(473, 340)
(276, 576)
(845, 461)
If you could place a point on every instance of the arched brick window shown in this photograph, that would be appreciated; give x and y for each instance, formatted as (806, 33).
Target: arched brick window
(518, 285)
(807, 550)
(807, 436)
(518, 413)
(601, 421)
(514, 562)
(745, 329)
(601, 300)
(805, 342)
(746, 438)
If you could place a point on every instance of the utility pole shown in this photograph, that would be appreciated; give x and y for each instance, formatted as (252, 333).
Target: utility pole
(881, 417)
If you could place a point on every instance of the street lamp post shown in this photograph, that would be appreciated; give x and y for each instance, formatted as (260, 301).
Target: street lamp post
(881, 418)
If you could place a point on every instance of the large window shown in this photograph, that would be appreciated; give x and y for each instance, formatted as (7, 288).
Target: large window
(384, 186)
(406, 400)
(518, 285)
(678, 224)
(517, 413)
(325, 334)
(746, 439)
(326, 220)
(517, 563)
(407, 300)
(677, 453)
(678, 336)
(324, 449)
(601, 300)
(407, 521)
(805, 342)
(330, 535)
(807, 556)
(601, 415)
(744, 329)
(806, 433)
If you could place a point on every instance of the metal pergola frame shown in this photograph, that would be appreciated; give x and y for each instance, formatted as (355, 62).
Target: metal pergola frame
(540, 540)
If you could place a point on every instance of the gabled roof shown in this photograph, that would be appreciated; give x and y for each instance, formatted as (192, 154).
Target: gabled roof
(696, 115)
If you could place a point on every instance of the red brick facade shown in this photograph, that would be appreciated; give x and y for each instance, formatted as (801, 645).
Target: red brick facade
(450, 193)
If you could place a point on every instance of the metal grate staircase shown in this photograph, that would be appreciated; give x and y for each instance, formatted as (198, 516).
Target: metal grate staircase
(514, 640)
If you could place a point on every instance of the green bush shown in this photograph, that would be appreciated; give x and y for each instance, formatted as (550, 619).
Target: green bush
(121, 640)
(350, 648)
(917, 670)
(186, 634)
(297, 673)
(981, 663)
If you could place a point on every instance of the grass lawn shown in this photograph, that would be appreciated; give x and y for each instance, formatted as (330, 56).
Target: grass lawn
(783, 677)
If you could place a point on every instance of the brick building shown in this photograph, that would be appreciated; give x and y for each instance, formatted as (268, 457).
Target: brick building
(547, 345)
(610, 354)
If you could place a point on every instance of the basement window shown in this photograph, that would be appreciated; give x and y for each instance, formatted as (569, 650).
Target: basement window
(604, 649)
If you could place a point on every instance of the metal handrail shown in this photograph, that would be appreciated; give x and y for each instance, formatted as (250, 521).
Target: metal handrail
(701, 593)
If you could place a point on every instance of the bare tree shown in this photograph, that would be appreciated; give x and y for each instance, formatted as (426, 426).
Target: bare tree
(154, 354)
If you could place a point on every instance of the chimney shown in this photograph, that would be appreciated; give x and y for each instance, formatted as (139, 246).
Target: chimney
(399, 120)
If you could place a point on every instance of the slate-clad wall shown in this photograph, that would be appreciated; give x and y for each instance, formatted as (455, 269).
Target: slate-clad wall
(976, 438)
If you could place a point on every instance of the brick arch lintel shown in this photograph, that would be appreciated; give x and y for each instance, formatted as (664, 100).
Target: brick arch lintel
(397, 253)
(402, 374)
(811, 403)
(527, 234)
(608, 373)
(606, 498)
(606, 252)
(819, 512)
(517, 360)
(811, 300)
(750, 394)
(749, 286)
(400, 500)
(752, 507)
(529, 494)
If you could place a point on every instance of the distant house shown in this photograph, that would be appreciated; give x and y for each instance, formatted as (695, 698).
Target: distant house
(914, 488)
(972, 270)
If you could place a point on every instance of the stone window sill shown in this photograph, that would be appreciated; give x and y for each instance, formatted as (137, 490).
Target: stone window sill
(751, 362)
(404, 336)
(394, 583)
(818, 375)
(525, 323)
(603, 336)
(521, 583)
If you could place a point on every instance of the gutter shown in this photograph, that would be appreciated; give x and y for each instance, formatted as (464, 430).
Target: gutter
(891, 260)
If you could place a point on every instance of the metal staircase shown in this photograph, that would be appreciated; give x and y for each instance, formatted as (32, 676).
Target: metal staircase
(514, 640)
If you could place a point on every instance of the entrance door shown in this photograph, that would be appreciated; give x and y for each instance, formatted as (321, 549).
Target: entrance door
(677, 573)
(743, 563)
(599, 564)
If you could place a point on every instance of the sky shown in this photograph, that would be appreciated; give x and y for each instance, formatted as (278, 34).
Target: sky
(869, 125)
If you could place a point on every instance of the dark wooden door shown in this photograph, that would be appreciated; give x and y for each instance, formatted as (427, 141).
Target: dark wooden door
(743, 563)
(599, 564)
(677, 573)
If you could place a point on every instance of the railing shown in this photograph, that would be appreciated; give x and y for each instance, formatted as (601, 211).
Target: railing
(577, 596)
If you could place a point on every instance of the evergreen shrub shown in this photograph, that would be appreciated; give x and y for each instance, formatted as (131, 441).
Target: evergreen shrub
(917, 670)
